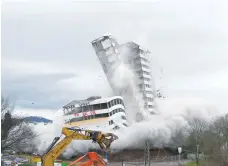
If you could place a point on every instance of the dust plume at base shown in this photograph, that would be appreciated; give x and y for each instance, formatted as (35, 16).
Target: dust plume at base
(174, 114)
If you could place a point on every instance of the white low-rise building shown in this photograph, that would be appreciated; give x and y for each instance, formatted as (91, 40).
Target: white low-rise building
(96, 113)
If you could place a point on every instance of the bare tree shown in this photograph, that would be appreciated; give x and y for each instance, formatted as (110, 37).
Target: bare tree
(16, 133)
(196, 129)
(211, 138)
(218, 140)
(6, 119)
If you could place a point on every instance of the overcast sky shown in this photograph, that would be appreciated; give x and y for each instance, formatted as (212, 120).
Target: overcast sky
(48, 59)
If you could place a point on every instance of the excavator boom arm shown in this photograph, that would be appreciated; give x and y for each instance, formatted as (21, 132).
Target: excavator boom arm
(54, 151)
(49, 158)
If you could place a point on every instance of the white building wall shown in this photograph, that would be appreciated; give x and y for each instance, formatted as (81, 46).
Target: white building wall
(141, 65)
(90, 119)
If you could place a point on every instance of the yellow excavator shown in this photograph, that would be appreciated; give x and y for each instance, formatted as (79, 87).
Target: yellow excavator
(54, 150)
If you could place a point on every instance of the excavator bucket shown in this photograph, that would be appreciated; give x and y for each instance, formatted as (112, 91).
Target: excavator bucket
(89, 159)
(106, 142)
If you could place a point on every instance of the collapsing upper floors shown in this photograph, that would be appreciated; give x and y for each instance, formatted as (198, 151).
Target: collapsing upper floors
(127, 67)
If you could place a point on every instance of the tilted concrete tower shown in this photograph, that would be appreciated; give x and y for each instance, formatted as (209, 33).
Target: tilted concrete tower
(127, 68)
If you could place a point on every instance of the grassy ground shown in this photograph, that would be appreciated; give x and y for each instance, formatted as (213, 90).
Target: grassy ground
(192, 163)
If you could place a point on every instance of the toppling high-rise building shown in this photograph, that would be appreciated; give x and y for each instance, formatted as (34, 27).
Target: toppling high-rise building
(140, 63)
(127, 68)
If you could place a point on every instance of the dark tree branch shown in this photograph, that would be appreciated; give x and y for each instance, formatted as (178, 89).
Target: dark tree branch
(16, 133)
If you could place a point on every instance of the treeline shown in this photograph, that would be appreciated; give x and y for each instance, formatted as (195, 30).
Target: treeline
(207, 140)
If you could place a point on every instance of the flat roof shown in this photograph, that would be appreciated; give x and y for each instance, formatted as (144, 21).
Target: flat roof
(102, 37)
(95, 101)
(135, 45)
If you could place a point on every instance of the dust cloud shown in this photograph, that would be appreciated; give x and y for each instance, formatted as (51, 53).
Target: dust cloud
(157, 128)
(173, 115)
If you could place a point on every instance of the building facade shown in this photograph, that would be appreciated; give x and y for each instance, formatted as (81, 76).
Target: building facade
(138, 58)
(96, 113)
(137, 90)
